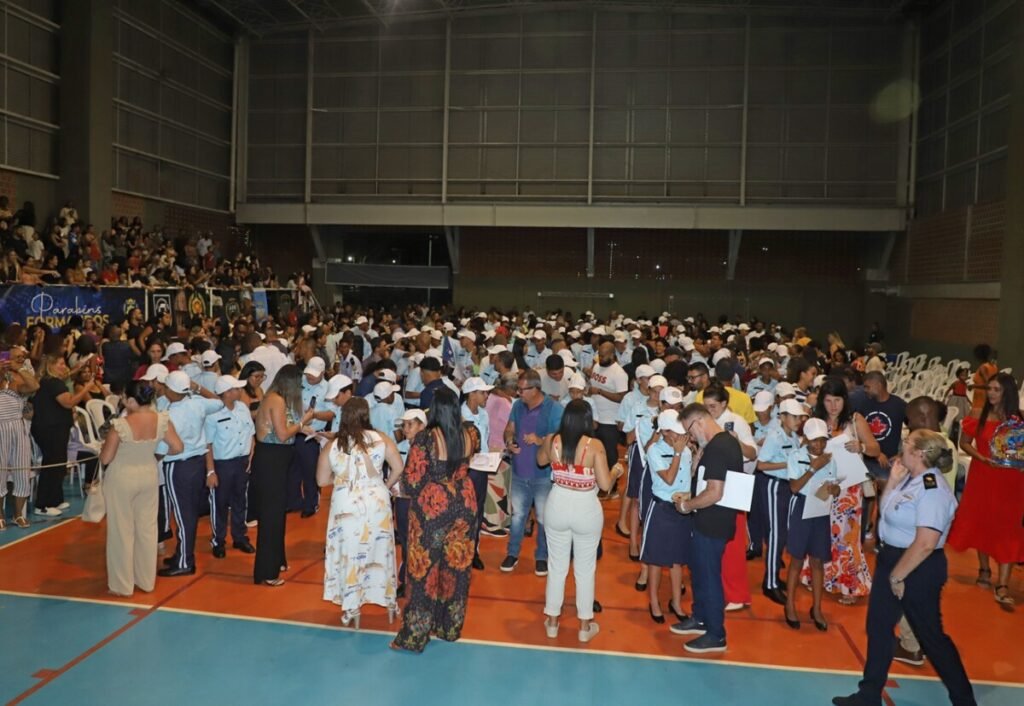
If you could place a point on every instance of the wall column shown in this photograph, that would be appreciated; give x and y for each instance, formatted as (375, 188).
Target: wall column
(1011, 305)
(86, 109)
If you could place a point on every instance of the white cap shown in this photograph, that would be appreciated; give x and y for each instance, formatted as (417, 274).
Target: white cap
(476, 384)
(414, 415)
(792, 408)
(573, 334)
(584, 327)
(766, 361)
(488, 335)
(669, 421)
(412, 333)
(818, 381)
(782, 351)
(658, 365)
(156, 371)
(384, 388)
(387, 374)
(227, 382)
(494, 350)
(576, 382)
(448, 326)
(361, 320)
(764, 400)
(466, 333)
(815, 428)
(598, 331)
(336, 384)
(635, 333)
(179, 382)
(688, 344)
(208, 358)
(315, 366)
(308, 328)
(688, 320)
(658, 381)
(743, 327)
(436, 335)
(540, 335)
(785, 389)
(772, 347)
(644, 371)
(671, 395)
(620, 336)
(721, 354)
(397, 336)
(174, 349)
(566, 355)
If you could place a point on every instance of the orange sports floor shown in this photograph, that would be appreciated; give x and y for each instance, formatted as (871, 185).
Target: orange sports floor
(68, 561)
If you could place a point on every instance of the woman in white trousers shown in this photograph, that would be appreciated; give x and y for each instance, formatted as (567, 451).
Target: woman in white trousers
(573, 518)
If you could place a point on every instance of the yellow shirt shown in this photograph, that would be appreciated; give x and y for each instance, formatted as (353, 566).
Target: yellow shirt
(739, 402)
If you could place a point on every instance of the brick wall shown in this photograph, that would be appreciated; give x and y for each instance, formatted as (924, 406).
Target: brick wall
(985, 254)
(961, 321)
(962, 245)
(517, 252)
(9, 187)
(127, 205)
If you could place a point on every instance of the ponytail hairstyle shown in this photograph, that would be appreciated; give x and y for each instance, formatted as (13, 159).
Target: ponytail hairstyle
(140, 391)
(933, 446)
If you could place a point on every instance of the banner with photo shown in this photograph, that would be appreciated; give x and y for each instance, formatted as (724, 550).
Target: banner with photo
(184, 304)
(55, 305)
(261, 307)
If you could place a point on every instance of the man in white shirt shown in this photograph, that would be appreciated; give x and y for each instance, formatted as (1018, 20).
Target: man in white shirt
(269, 356)
(608, 385)
(554, 382)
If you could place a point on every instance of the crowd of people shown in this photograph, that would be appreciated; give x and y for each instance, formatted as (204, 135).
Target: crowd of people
(67, 250)
(432, 426)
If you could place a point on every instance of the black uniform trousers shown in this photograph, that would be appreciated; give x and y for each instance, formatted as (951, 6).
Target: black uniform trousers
(303, 492)
(776, 510)
(53, 443)
(229, 495)
(757, 522)
(185, 482)
(479, 480)
(920, 603)
(401, 507)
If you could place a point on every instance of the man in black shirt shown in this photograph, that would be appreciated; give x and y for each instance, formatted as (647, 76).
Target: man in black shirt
(713, 526)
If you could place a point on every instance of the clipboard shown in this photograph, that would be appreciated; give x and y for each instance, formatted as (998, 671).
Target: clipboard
(487, 462)
(738, 493)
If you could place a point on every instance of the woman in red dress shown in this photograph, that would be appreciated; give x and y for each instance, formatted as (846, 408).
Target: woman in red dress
(989, 517)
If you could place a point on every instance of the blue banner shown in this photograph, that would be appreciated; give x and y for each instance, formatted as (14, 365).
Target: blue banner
(55, 305)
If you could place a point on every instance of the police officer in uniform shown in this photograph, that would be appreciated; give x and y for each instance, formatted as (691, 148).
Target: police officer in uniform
(185, 473)
(303, 492)
(231, 435)
(916, 511)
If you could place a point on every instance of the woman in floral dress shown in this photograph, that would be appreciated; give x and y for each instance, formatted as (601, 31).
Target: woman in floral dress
(359, 566)
(442, 524)
(847, 574)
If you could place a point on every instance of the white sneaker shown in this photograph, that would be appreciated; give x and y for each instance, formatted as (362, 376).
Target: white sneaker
(49, 512)
(551, 630)
(64, 506)
(589, 634)
(735, 606)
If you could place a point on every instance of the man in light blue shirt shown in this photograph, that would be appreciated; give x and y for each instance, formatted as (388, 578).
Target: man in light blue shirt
(474, 411)
(537, 351)
(184, 472)
(232, 439)
(207, 379)
(339, 391)
(303, 492)
(384, 413)
(766, 379)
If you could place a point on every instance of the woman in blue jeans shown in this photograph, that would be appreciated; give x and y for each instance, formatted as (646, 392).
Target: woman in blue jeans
(533, 417)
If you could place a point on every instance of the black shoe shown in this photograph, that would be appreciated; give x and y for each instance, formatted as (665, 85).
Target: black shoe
(659, 619)
(618, 531)
(176, 572)
(915, 659)
(219, 551)
(851, 700)
(478, 563)
(640, 587)
(541, 569)
(775, 595)
(598, 607)
(509, 564)
(307, 513)
(705, 643)
(791, 622)
(634, 557)
(690, 626)
(244, 547)
(683, 617)
(400, 591)
(170, 561)
(821, 625)
(752, 554)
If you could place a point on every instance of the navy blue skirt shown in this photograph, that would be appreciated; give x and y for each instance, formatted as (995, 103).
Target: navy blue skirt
(634, 460)
(808, 538)
(667, 535)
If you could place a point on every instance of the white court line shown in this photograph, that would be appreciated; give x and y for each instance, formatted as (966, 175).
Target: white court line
(37, 533)
(572, 650)
(100, 601)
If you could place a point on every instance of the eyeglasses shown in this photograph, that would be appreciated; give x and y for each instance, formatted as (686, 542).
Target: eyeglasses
(695, 378)
(524, 389)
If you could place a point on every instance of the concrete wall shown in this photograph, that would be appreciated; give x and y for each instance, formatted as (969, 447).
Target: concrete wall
(20, 187)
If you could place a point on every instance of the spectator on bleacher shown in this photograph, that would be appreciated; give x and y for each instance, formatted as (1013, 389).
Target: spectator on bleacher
(117, 357)
(26, 216)
(5, 209)
(985, 356)
(69, 213)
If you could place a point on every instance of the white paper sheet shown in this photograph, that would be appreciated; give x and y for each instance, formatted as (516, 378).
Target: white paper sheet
(813, 505)
(738, 492)
(486, 462)
(850, 468)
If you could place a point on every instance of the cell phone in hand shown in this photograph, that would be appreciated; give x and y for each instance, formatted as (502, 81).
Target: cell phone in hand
(729, 426)
(312, 402)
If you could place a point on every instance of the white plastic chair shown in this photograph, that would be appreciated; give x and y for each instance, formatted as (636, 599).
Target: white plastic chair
(947, 423)
(113, 401)
(100, 411)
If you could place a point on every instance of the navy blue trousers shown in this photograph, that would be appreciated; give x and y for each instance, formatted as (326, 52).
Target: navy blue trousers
(706, 574)
(776, 509)
(229, 495)
(303, 492)
(186, 486)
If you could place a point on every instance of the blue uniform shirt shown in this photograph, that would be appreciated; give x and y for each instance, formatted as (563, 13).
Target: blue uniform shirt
(162, 404)
(189, 416)
(659, 458)
(535, 358)
(230, 432)
(778, 446)
(586, 357)
(925, 501)
(800, 462)
(193, 370)
(757, 385)
(319, 391)
(336, 422)
(761, 431)
(480, 420)
(633, 399)
(207, 379)
(383, 417)
(640, 412)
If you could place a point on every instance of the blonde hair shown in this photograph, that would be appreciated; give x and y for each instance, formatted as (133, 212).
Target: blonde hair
(932, 444)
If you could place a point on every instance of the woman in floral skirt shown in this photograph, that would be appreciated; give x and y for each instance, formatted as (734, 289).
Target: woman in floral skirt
(442, 524)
